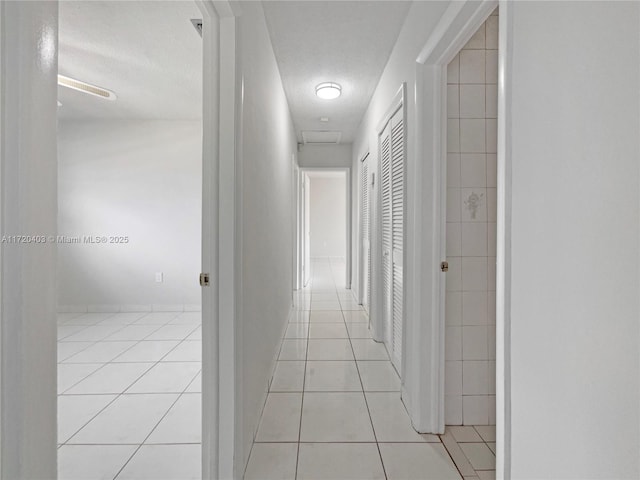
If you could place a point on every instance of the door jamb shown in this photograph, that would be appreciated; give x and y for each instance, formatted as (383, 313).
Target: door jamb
(28, 95)
(295, 219)
(423, 391)
(220, 251)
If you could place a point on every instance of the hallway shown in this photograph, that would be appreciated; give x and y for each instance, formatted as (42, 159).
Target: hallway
(334, 410)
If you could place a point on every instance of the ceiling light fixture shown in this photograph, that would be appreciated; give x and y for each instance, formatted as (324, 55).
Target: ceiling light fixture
(328, 90)
(84, 87)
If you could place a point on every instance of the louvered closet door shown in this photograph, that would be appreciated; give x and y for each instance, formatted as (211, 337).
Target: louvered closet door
(366, 248)
(386, 228)
(397, 234)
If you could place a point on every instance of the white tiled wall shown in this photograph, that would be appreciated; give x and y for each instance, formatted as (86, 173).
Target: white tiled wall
(471, 230)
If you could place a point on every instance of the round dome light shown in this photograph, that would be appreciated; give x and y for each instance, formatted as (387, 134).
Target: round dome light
(328, 90)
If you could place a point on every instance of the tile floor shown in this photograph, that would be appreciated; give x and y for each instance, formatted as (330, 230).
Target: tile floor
(334, 409)
(129, 401)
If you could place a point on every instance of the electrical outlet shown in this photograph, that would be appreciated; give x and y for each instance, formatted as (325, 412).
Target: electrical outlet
(159, 277)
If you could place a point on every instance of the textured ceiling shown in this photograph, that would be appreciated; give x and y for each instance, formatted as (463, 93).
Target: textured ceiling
(348, 42)
(147, 52)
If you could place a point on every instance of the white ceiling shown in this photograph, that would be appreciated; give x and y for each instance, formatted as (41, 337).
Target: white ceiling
(147, 52)
(348, 42)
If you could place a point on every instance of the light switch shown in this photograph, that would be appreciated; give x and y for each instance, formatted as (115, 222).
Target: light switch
(159, 277)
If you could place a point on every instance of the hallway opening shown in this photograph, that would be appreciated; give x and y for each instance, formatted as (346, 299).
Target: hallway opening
(471, 214)
(325, 224)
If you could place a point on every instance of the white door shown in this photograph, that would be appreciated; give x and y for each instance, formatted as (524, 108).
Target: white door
(392, 158)
(385, 204)
(365, 271)
(397, 242)
(306, 263)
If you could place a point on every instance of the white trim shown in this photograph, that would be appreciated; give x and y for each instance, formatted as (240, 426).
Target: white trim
(295, 277)
(127, 308)
(272, 369)
(210, 337)
(348, 253)
(229, 218)
(423, 387)
(399, 99)
(220, 190)
(503, 247)
(299, 179)
(2, 135)
(28, 77)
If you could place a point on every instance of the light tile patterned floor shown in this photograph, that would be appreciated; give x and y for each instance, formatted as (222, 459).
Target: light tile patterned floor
(129, 403)
(334, 409)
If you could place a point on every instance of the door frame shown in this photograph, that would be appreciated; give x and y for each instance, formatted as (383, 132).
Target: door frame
(423, 387)
(295, 187)
(347, 170)
(28, 201)
(305, 264)
(220, 248)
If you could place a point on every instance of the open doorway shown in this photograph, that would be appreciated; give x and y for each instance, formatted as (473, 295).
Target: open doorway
(129, 241)
(325, 225)
(471, 212)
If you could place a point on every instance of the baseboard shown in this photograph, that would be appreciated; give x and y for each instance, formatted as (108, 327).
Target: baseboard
(168, 307)
(241, 463)
(135, 308)
(126, 308)
(274, 362)
(103, 308)
(72, 309)
(328, 259)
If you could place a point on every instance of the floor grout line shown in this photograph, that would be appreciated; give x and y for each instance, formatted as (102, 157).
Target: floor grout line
(366, 402)
(304, 382)
(123, 392)
(153, 429)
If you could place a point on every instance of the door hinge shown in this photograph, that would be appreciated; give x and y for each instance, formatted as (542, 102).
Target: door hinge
(204, 279)
(444, 266)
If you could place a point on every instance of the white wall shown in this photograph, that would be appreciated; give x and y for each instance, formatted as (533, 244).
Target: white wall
(401, 67)
(142, 180)
(328, 216)
(574, 238)
(268, 142)
(318, 156)
(470, 333)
